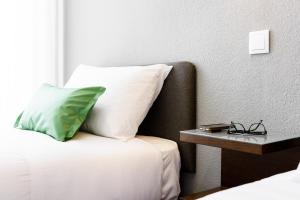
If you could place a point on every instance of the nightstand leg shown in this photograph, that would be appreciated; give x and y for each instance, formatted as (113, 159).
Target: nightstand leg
(238, 168)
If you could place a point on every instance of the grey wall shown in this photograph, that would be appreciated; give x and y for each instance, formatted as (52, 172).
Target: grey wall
(213, 34)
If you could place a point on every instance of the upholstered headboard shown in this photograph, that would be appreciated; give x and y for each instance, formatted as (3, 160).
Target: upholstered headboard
(175, 110)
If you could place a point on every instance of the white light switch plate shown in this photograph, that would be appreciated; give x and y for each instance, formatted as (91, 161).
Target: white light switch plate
(259, 42)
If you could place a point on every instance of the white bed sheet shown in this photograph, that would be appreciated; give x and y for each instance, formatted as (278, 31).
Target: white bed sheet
(284, 186)
(36, 167)
(171, 165)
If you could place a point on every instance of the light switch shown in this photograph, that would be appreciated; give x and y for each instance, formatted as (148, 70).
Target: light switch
(259, 42)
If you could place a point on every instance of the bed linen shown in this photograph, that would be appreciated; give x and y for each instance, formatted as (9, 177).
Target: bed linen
(279, 187)
(36, 167)
(171, 165)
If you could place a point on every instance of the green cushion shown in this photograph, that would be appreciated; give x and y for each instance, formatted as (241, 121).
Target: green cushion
(58, 112)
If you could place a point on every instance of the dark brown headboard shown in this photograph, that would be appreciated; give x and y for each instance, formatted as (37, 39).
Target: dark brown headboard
(175, 110)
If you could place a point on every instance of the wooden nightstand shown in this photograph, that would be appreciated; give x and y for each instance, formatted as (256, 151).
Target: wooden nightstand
(248, 158)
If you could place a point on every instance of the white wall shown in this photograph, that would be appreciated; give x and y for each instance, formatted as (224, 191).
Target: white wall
(213, 34)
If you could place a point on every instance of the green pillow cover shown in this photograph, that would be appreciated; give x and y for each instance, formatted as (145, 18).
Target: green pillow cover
(58, 112)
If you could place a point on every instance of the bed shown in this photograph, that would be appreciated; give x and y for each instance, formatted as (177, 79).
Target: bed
(36, 167)
(282, 186)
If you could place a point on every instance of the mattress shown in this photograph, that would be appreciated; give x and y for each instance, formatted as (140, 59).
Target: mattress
(36, 167)
(171, 165)
(282, 186)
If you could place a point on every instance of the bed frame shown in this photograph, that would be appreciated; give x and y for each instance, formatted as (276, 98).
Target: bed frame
(175, 110)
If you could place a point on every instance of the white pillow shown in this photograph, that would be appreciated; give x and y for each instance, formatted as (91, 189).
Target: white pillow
(130, 92)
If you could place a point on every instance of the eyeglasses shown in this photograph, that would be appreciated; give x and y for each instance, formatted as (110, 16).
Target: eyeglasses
(254, 129)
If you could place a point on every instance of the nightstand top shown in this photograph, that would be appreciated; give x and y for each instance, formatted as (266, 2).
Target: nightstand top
(254, 139)
(257, 144)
